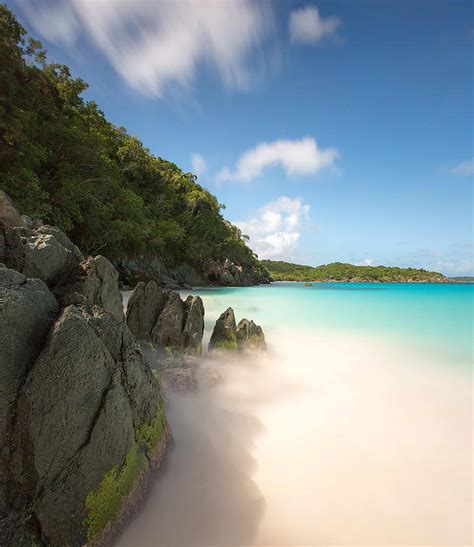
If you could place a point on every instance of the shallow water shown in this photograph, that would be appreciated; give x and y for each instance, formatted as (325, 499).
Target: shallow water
(354, 429)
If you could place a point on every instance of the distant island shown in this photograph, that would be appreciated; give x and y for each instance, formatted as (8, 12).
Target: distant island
(340, 271)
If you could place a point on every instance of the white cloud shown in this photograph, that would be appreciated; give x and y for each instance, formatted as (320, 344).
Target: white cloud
(275, 231)
(307, 26)
(199, 164)
(366, 262)
(465, 168)
(153, 44)
(297, 157)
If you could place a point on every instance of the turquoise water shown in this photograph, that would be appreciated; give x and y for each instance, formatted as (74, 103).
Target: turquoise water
(434, 318)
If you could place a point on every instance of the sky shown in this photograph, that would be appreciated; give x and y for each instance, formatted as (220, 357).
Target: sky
(331, 130)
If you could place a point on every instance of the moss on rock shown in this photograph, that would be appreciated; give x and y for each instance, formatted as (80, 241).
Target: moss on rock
(104, 503)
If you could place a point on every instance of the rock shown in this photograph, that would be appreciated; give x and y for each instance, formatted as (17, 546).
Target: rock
(193, 329)
(224, 335)
(45, 253)
(94, 283)
(9, 216)
(250, 336)
(144, 306)
(168, 329)
(27, 311)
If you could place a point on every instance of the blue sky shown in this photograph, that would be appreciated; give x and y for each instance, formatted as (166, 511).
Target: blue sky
(331, 130)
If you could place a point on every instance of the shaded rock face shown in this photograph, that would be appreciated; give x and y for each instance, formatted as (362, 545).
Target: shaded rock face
(161, 317)
(227, 336)
(250, 336)
(231, 274)
(224, 335)
(45, 253)
(81, 413)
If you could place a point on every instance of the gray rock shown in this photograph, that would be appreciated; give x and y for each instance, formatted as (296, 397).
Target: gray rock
(193, 324)
(144, 306)
(62, 238)
(250, 336)
(9, 216)
(27, 311)
(168, 330)
(95, 283)
(224, 335)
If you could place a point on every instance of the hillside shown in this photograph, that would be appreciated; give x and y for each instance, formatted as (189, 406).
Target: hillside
(63, 162)
(339, 271)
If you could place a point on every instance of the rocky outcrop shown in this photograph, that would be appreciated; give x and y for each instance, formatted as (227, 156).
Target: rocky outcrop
(82, 418)
(9, 215)
(224, 335)
(228, 273)
(162, 318)
(232, 274)
(227, 336)
(250, 336)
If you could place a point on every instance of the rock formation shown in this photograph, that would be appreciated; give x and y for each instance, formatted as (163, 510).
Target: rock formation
(162, 318)
(228, 336)
(82, 418)
(250, 336)
(224, 335)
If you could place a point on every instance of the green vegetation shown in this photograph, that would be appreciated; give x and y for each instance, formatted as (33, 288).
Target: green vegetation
(227, 345)
(63, 162)
(338, 271)
(103, 505)
(463, 279)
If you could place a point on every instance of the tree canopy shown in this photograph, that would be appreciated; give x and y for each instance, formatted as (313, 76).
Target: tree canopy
(63, 162)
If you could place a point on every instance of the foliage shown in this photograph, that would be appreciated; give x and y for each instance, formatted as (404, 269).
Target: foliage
(62, 161)
(103, 504)
(339, 271)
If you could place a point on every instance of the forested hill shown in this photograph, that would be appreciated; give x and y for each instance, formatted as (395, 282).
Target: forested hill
(339, 271)
(63, 162)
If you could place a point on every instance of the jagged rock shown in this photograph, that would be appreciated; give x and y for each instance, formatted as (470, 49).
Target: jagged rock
(193, 324)
(224, 335)
(250, 336)
(168, 329)
(144, 306)
(31, 223)
(61, 238)
(94, 283)
(8, 214)
(164, 319)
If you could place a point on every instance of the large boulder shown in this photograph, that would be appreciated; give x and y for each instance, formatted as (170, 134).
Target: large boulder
(250, 336)
(224, 335)
(45, 253)
(144, 306)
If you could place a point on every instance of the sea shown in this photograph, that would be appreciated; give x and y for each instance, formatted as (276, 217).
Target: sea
(354, 428)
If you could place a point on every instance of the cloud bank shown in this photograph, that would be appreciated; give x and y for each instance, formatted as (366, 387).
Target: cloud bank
(275, 231)
(153, 44)
(296, 157)
(308, 27)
